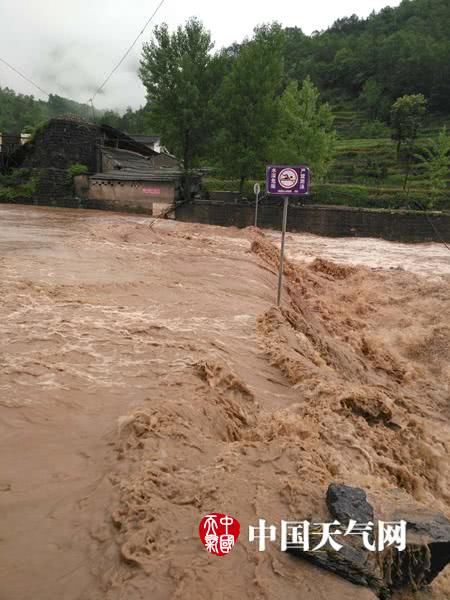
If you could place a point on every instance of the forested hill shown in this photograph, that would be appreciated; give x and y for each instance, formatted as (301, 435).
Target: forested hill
(403, 50)
(22, 113)
(370, 62)
(18, 112)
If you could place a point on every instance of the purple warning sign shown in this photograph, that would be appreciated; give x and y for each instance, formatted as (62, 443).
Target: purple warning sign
(288, 181)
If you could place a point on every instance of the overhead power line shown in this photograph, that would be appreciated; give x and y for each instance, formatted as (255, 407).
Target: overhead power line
(24, 77)
(130, 48)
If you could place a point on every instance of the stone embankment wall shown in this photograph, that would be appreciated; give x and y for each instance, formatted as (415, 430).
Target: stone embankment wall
(400, 226)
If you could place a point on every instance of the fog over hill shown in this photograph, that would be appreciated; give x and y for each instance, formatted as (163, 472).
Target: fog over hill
(68, 49)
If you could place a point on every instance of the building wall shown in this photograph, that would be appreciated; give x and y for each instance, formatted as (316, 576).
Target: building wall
(140, 196)
(53, 185)
(63, 142)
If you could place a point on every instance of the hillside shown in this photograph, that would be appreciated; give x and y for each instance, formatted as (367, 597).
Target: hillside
(19, 112)
(366, 153)
(403, 50)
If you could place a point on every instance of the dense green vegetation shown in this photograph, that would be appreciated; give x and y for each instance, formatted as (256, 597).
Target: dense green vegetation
(175, 70)
(363, 103)
(77, 169)
(305, 129)
(403, 50)
(20, 113)
(246, 105)
(21, 183)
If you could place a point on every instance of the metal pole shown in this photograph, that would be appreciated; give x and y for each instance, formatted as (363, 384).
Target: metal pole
(283, 236)
(256, 210)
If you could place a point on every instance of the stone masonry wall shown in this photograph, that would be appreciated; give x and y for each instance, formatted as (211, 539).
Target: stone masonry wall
(400, 226)
(63, 142)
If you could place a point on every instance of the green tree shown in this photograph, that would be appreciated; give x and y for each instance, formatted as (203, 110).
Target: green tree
(174, 70)
(406, 118)
(57, 106)
(111, 118)
(248, 104)
(435, 159)
(18, 111)
(305, 132)
(371, 99)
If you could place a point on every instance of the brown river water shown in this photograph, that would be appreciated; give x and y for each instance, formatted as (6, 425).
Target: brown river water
(146, 379)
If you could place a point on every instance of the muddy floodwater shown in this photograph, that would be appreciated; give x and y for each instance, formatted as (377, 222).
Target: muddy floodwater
(146, 380)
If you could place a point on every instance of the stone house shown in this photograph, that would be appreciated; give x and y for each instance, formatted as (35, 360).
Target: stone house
(121, 171)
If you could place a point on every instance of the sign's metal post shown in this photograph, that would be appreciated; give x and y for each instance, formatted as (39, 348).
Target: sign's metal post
(283, 237)
(286, 181)
(256, 189)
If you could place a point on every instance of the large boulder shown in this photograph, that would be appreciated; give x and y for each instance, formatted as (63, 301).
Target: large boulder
(346, 503)
(427, 552)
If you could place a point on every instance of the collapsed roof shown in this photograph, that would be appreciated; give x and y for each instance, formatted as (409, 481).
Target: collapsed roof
(123, 165)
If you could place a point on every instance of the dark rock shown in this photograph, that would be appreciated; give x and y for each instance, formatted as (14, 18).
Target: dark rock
(346, 503)
(427, 552)
(353, 564)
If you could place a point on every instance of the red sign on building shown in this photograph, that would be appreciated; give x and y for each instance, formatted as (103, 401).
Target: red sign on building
(152, 191)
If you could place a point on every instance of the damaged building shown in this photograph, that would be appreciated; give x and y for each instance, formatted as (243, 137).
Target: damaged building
(79, 163)
(9, 144)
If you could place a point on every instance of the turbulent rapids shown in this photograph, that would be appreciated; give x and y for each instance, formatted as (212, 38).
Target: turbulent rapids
(147, 380)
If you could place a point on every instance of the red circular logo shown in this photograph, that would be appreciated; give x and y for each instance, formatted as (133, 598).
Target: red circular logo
(219, 533)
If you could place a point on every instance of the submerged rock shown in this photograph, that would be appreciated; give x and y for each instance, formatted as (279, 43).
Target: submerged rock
(346, 503)
(427, 552)
(353, 564)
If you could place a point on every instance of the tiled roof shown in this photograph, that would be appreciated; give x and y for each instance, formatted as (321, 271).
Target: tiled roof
(130, 166)
(130, 175)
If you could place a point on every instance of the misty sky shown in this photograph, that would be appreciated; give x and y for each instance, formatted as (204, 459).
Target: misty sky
(69, 47)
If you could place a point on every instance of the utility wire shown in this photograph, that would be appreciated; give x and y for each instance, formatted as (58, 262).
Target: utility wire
(128, 51)
(24, 77)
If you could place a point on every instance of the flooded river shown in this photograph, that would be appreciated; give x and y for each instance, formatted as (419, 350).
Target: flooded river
(146, 379)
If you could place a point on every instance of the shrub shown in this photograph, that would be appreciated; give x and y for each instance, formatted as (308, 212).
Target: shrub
(16, 177)
(355, 195)
(19, 183)
(359, 196)
(77, 169)
(212, 184)
(374, 129)
(382, 198)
